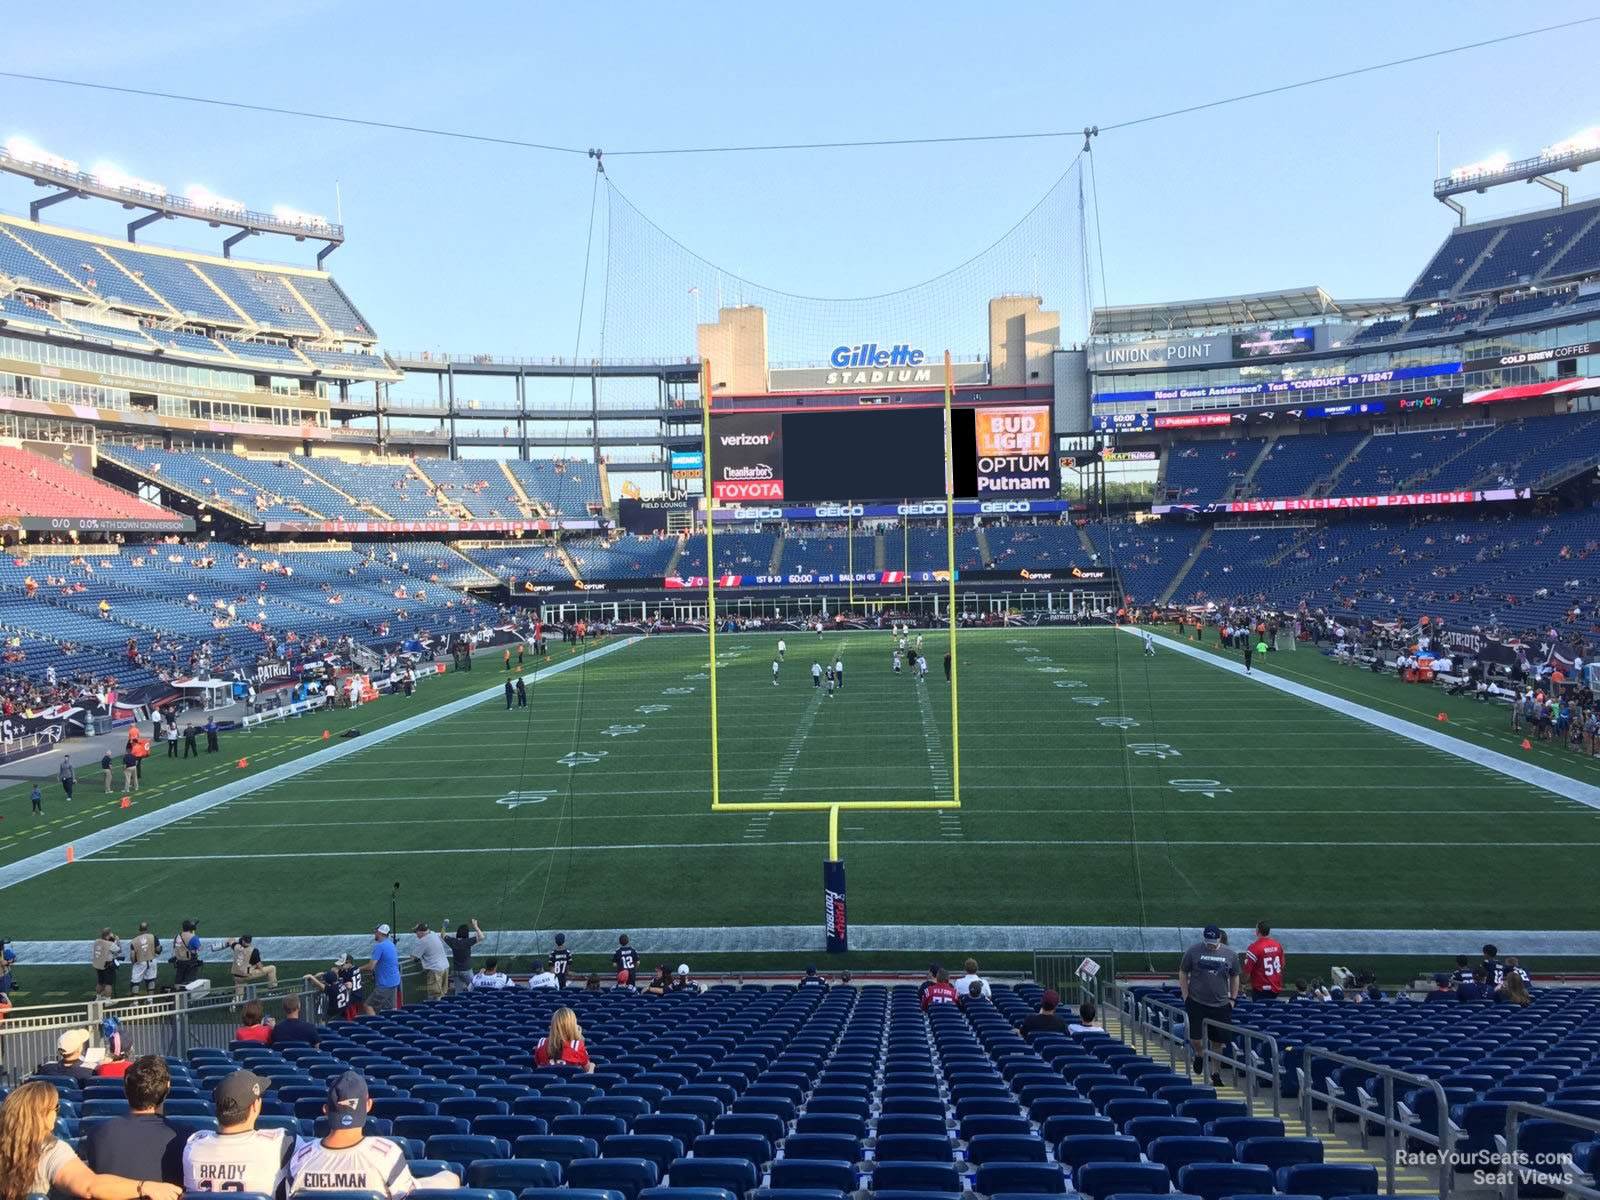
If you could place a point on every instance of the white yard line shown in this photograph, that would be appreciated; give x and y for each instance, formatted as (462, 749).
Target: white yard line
(49, 860)
(1480, 756)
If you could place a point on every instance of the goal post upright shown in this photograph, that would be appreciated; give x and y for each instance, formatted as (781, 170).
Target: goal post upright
(950, 572)
(711, 571)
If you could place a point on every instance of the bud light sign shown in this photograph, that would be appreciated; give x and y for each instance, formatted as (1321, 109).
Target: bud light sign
(835, 930)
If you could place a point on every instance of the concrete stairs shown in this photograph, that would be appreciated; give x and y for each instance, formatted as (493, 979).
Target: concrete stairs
(529, 508)
(1333, 476)
(983, 547)
(1188, 565)
(1243, 486)
(358, 505)
(777, 556)
(452, 508)
(677, 553)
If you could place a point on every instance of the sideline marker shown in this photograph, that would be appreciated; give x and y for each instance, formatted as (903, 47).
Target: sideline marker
(69, 854)
(127, 802)
(1526, 744)
(1444, 716)
(326, 735)
(243, 763)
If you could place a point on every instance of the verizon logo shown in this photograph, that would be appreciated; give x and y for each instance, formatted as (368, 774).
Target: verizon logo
(747, 439)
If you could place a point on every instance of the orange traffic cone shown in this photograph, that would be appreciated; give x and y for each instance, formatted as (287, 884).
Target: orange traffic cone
(1526, 744)
(1444, 716)
(69, 854)
(127, 801)
(326, 735)
(243, 763)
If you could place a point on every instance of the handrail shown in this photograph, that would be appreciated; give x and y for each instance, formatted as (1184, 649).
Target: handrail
(1386, 1115)
(1514, 1170)
(1247, 1063)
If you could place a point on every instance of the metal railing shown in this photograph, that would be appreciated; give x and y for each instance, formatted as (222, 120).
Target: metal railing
(1517, 1173)
(1260, 1082)
(1386, 1114)
(1058, 969)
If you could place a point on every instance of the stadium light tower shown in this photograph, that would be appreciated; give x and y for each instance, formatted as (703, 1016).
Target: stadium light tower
(1569, 154)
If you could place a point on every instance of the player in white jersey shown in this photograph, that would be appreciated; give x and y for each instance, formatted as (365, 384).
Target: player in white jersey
(346, 1159)
(774, 672)
(239, 1158)
(919, 645)
(781, 649)
(897, 662)
(922, 665)
(816, 675)
(902, 643)
(838, 672)
(1149, 645)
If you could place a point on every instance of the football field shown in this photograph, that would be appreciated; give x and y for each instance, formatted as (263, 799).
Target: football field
(1098, 788)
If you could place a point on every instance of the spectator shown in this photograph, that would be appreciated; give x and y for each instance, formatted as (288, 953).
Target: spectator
(1441, 989)
(938, 990)
(625, 959)
(461, 947)
(681, 982)
(238, 1157)
(1462, 973)
(1046, 1020)
(564, 1043)
(592, 984)
(1514, 967)
(346, 1159)
(658, 984)
(107, 949)
(252, 1026)
(812, 980)
(933, 977)
(963, 985)
(1494, 971)
(491, 978)
(385, 968)
(1512, 991)
(974, 995)
(34, 1162)
(435, 960)
(293, 1030)
(1302, 990)
(1088, 1019)
(1263, 958)
(1474, 989)
(141, 1145)
(543, 979)
(341, 988)
(247, 966)
(1208, 977)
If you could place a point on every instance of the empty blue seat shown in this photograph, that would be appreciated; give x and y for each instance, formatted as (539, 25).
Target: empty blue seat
(672, 1193)
(1213, 1181)
(426, 1127)
(1237, 1129)
(682, 1126)
(1079, 1149)
(914, 1148)
(590, 1125)
(508, 1126)
(1175, 1153)
(1043, 1178)
(766, 1125)
(657, 1147)
(846, 1123)
(897, 1176)
(789, 1173)
(707, 1108)
(736, 1175)
(513, 1173)
(1125, 1110)
(1099, 1180)
(1213, 1110)
(923, 1123)
(1056, 1128)
(566, 1193)
(1147, 1129)
(625, 1108)
(556, 1148)
(999, 1147)
(1060, 1106)
(188, 1125)
(629, 1176)
(467, 1147)
(1329, 1179)
(1278, 1152)
(977, 1126)
(828, 1146)
(547, 1108)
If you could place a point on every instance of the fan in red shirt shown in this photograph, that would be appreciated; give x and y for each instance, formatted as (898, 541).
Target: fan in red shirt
(566, 1037)
(939, 990)
(1263, 962)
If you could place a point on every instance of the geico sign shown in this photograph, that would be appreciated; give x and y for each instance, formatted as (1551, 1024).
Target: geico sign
(1005, 506)
(840, 510)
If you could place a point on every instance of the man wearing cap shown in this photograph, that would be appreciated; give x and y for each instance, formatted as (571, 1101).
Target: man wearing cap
(1046, 1020)
(1208, 977)
(69, 1058)
(435, 960)
(141, 1145)
(1443, 989)
(811, 981)
(384, 995)
(491, 978)
(238, 1157)
(347, 1160)
(681, 982)
(340, 984)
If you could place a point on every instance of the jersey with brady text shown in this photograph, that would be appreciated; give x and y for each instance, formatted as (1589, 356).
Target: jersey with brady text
(254, 1161)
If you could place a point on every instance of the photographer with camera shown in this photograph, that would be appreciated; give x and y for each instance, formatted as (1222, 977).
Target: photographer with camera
(104, 957)
(186, 954)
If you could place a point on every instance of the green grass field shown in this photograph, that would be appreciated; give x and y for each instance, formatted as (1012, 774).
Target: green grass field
(1098, 788)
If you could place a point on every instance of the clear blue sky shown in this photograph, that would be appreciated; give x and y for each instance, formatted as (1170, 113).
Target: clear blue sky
(471, 247)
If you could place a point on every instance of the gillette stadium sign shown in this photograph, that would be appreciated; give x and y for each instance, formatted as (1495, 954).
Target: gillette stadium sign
(873, 364)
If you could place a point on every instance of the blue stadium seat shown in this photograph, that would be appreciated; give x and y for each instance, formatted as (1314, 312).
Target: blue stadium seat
(590, 1125)
(1278, 1152)
(566, 1193)
(1055, 1129)
(914, 1123)
(1213, 1181)
(547, 1108)
(658, 1148)
(1126, 1109)
(846, 1123)
(1175, 1153)
(1100, 1180)
(764, 1125)
(823, 1146)
(1043, 1178)
(508, 1126)
(733, 1145)
(736, 1175)
(1329, 1179)
(557, 1148)
(513, 1173)
(787, 1174)
(629, 1176)
(897, 1176)
(913, 1147)
(999, 1147)
(682, 1126)
(1237, 1129)
(1079, 1149)
(390, 1107)
(467, 1147)
(1147, 1129)
(426, 1127)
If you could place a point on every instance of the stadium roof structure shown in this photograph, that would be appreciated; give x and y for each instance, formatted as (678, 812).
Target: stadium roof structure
(1292, 304)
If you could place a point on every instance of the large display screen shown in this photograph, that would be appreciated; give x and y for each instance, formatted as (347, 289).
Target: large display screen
(889, 453)
(1274, 343)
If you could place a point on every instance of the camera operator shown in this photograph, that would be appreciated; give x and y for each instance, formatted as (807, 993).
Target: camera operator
(8, 959)
(104, 957)
(186, 954)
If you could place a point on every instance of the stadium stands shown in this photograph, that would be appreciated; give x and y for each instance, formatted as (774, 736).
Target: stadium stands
(1524, 250)
(627, 557)
(563, 487)
(1145, 556)
(478, 486)
(747, 553)
(1294, 465)
(35, 486)
(806, 552)
(1203, 472)
(537, 562)
(1029, 547)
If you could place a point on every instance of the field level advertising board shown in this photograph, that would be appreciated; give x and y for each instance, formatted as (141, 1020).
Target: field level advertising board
(891, 453)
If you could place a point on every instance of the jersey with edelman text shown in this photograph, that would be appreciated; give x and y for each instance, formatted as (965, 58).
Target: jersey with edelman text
(373, 1164)
(254, 1161)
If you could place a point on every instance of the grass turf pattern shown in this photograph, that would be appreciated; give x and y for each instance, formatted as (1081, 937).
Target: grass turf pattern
(1097, 787)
